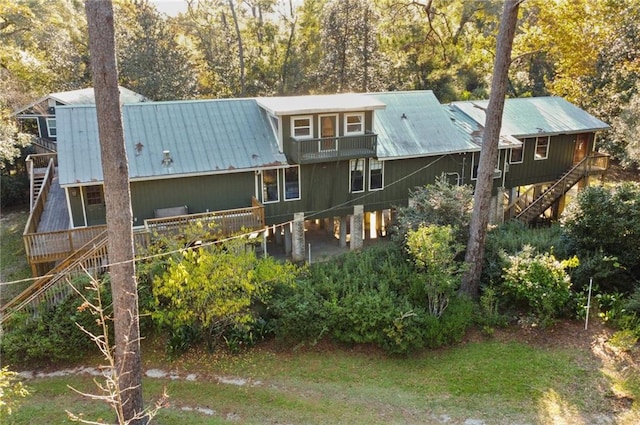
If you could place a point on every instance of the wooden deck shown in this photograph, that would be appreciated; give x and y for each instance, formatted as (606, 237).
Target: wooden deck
(55, 215)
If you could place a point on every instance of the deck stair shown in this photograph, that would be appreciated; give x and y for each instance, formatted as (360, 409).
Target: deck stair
(527, 207)
(51, 289)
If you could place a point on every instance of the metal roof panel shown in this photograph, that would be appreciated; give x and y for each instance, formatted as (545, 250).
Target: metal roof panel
(414, 124)
(202, 137)
(532, 116)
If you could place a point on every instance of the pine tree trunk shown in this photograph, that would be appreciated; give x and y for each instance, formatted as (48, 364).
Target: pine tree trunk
(488, 156)
(118, 207)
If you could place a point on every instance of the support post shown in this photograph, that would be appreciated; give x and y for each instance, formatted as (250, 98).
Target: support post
(357, 227)
(297, 238)
(343, 232)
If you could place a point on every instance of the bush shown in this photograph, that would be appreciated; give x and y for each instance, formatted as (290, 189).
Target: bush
(433, 250)
(441, 203)
(511, 238)
(212, 291)
(374, 296)
(54, 334)
(539, 282)
(603, 225)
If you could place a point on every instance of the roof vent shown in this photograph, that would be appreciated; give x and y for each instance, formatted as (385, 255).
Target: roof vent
(166, 159)
(404, 116)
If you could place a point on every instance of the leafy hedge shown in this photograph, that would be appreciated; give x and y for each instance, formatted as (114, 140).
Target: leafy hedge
(374, 296)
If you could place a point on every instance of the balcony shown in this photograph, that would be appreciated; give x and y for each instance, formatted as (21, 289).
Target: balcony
(309, 151)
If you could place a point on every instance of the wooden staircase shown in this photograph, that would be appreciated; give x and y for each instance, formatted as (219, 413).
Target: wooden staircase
(37, 166)
(527, 207)
(51, 289)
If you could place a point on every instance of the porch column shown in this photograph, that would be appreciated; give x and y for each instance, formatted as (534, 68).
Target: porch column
(297, 239)
(343, 232)
(357, 227)
(287, 239)
(497, 207)
(328, 225)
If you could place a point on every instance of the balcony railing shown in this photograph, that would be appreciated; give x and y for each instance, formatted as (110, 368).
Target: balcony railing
(308, 151)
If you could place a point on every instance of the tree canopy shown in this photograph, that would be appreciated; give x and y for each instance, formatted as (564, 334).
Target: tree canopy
(582, 50)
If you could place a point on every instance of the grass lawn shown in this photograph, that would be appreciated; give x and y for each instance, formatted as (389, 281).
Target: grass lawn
(13, 260)
(495, 381)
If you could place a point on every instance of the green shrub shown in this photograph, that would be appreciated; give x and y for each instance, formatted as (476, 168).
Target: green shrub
(371, 297)
(441, 204)
(433, 250)
(208, 292)
(53, 335)
(602, 227)
(539, 282)
(510, 238)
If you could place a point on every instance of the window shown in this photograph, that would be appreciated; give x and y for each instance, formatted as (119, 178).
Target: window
(302, 127)
(94, 195)
(291, 183)
(353, 124)
(51, 126)
(376, 174)
(328, 134)
(270, 189)
(517, 155)
(356, 173)
(542, 147)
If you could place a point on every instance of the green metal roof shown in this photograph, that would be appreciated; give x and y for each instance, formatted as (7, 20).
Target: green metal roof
(473, 131)
(414, 124)
(201, 137)
(533, 116)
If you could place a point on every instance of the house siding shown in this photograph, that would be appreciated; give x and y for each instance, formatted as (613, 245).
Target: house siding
(325, 190)
(559, 160)
(199, 194)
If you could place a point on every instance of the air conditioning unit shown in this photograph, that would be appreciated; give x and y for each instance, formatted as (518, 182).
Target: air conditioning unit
(497, 173)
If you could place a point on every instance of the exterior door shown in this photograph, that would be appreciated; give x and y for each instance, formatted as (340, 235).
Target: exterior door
(582, 141)
(328, 126)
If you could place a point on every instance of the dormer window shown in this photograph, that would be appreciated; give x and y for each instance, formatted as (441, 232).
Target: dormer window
(353, 124)
(302, 127)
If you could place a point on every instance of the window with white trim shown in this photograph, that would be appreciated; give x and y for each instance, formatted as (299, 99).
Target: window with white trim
(517, 155)
(51, 127)
(376, 174)
(270, 186)
(302, 127)
(356, 175)
(542, 147)
(291, 183)
(353, 124)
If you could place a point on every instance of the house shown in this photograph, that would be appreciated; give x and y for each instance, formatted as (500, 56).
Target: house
(545, 143)
(343, 161)
(39, 117)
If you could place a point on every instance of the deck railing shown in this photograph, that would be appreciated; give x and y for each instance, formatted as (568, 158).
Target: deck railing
(527, 206)
(46, 164)
(306, 151)
(38, 201)
(50, 247)
(226, 221)
(44, 145)
(51, 289)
